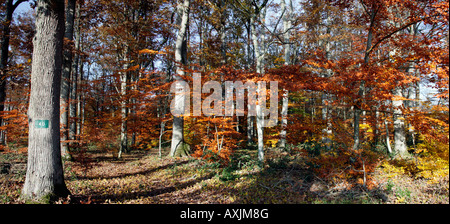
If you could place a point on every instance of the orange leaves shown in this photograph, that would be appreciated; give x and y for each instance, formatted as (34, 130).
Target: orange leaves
(148, 51)
(213, 138)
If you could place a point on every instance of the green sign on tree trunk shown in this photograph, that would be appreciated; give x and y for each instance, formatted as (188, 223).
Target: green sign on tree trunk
(41, 124)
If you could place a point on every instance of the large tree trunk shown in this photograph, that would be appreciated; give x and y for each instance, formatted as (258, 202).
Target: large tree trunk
(180, 59)
(65, 79)
(45, 178)
(397, 104)
(399, 124)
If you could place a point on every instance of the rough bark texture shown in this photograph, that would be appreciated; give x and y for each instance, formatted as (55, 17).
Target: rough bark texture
(45, 178)
(65, 82)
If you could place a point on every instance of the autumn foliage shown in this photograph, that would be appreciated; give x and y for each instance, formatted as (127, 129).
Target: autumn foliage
(378, 59)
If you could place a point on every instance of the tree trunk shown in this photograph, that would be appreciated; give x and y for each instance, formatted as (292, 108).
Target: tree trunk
(65, 79)
(74, 79)
(79, 100)
(45, 178)
(180, 59)
(4, 52)
(399, 124)
(258, 48)
(388, 141)
(287, 24)
(123, 106)
(326, 110)
(260, 108)
(361, 89)
(397, 105)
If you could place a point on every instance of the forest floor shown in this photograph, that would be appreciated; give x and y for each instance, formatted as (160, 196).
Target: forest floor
(141, 177)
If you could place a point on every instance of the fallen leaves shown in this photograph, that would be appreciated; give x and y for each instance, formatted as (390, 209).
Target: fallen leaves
(141, 177)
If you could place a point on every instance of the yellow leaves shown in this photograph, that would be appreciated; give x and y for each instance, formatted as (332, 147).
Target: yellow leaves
(433, 170)
(400, 200)
(391, 170)
(272, 142)
(366, 127)
(433, 162)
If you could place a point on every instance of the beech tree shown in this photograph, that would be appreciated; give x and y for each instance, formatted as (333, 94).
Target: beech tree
(181, 60)
(44, 178)
(287, 7)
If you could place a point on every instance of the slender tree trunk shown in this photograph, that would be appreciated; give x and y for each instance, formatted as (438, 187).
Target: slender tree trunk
(180, 59)
(259, 57)
(45, 178)
(4, 52)
(287, 8)
(65, 79)
(74, 79)
(222, 34)
(249, 129)
(260, 108)
(361, 89)
(388, 141)
(123, 106)
(250, 61)
(79, 101)
(326, 109)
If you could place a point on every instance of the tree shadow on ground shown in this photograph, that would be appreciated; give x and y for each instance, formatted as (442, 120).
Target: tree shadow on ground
(99, 197)
(301, 186)
(285, 178)
(128, 174)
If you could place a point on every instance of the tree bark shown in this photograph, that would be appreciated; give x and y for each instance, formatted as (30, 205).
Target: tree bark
(65, 79)
(399, 124)
(74, 79)
(180, 59)
(259, 50)
(400, 147)
(388, 141)
(45, 178)
(123, 106)
(287, 24)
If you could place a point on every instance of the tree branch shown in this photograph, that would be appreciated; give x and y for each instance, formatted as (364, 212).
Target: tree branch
(396, 31)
